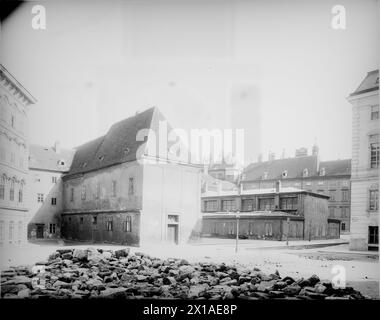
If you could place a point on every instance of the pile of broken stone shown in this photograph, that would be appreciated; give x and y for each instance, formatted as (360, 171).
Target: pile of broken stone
(95, 273)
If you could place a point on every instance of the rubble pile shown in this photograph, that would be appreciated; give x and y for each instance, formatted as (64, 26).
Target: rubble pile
(96, 273)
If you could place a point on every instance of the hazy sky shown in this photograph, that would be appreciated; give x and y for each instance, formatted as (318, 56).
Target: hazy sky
(98, 62)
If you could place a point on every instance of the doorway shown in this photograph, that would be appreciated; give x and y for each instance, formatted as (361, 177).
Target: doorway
(40, 231)
(173, 233)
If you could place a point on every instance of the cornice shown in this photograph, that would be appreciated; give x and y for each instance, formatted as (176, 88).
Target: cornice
(15, 87)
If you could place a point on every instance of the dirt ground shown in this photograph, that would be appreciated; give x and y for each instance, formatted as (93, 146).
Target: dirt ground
(362, 270)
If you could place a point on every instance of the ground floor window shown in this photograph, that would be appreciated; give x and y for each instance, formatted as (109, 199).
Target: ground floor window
(373, 235)
(109, 225)
(343, 226)
(53, 201)
(11, 229)
(268, 229)
(1, 230)
(127, 225)
(52, 228)
(20, 230)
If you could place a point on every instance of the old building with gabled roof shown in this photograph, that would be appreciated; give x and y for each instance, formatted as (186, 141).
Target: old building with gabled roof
(307, 172)
(124, 188)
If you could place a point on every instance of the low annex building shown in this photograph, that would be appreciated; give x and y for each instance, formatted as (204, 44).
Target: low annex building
(274, 213)
(120, 190)
(307, 172)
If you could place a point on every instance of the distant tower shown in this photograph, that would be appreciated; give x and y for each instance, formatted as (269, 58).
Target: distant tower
(315, 149)
(245, 114)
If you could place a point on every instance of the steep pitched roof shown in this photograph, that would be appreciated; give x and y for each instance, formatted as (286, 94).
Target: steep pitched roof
(336, 167)
(369, 83)
(119, 144)
(295, 167)
(275, 168)
(46, 158)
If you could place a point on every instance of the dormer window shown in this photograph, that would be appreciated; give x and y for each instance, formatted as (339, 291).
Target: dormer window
(61, 162)
(285, 173)
(305, 173)
(84, 165)
(265, 175)
(101, 158)
(126, 151)
(322, 172)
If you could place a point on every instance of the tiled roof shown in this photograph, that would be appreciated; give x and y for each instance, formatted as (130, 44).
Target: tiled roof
(370, 83)
(336, 167)
(212, 183)
(118, 145)
(295, 167)
(275, 168)
(45, 158)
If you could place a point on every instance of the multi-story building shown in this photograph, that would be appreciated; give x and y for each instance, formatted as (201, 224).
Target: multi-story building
(365, 164)
(121, 188)
(273, 213)
(307, 172)
(14, 104)
(46, 166)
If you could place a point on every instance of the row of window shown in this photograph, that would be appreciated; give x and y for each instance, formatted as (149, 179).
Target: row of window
(344, 212)
(265, 204)
(302, 184)
(126, 224)
(41, 198)
(11, 231)
(12, 192)
(97, 195)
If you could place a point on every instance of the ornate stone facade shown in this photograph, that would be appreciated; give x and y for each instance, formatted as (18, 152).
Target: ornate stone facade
(14, 105)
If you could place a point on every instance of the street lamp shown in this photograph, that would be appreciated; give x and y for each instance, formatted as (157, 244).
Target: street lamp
(237, 230)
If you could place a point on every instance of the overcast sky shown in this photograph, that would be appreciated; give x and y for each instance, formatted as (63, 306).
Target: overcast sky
(275, 68)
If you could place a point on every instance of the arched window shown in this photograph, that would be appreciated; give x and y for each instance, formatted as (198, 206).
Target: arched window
(305, 173)
(12, 191)
(2, 188)
(20, 192)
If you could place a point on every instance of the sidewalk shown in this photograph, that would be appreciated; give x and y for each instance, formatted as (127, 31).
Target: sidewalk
(270, 244)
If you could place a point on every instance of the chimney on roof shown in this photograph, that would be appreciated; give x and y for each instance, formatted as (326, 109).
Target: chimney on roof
(301, 152)
(57, 147)
(278, 186)
(271, 156)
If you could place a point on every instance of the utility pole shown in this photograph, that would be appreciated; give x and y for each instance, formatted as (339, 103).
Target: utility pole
(287, 233)
(237, 230)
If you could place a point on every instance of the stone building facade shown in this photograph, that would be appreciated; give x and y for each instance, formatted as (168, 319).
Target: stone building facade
(14, 150)
(365, 164)
(121, 190)
(276, 214)
(46, 166)
(307, 172)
